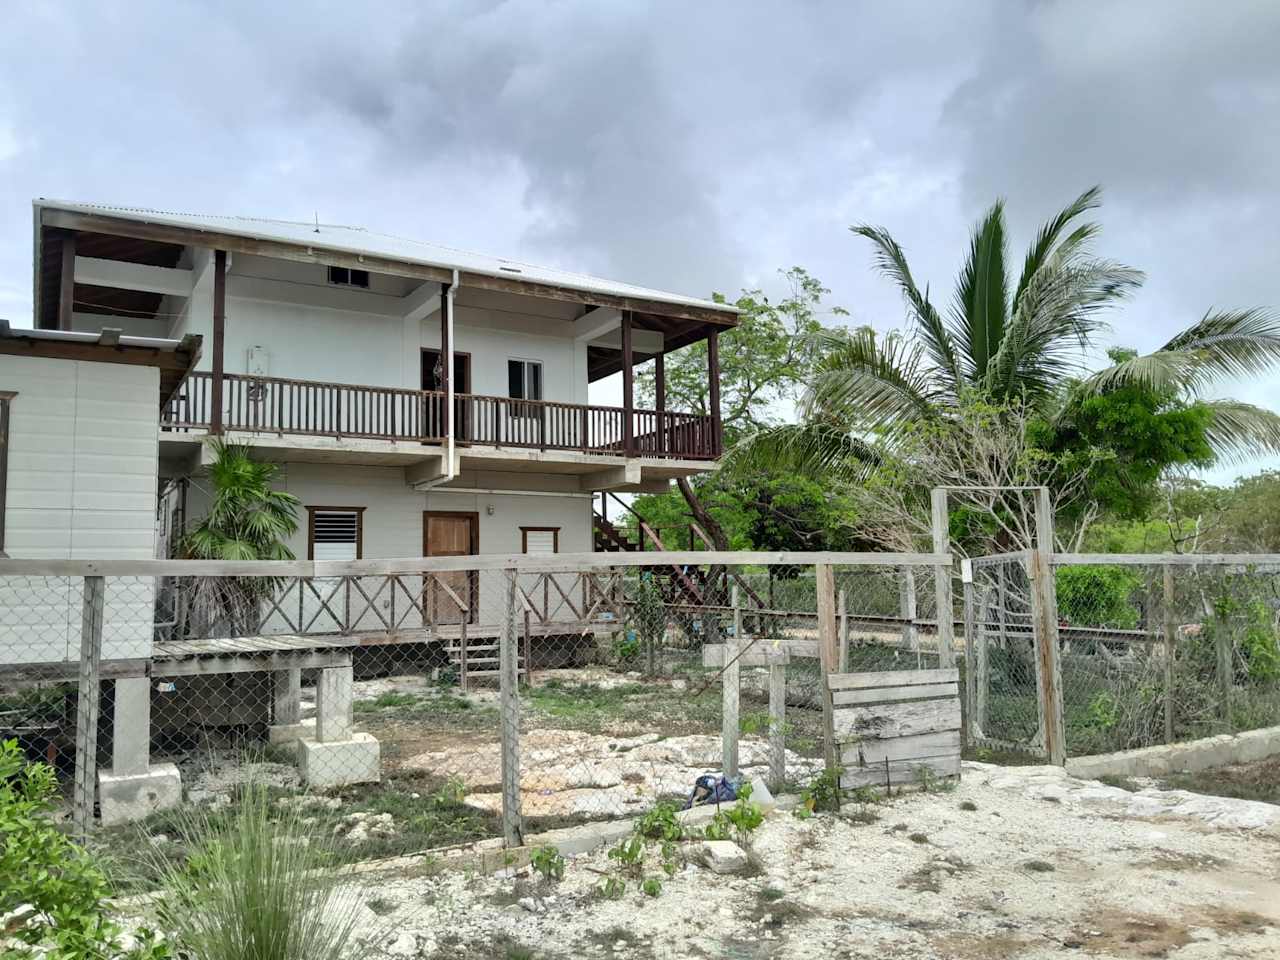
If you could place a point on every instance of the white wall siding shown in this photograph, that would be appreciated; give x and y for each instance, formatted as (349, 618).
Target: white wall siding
(83, 462)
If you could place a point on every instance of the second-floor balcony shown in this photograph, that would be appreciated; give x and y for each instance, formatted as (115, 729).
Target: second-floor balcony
(274, 405)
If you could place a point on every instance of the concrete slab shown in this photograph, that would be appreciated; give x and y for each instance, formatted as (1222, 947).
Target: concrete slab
(123, 798)
(336, 763)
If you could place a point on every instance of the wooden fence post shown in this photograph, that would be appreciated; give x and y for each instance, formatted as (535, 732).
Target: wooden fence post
(1170, 649)
(907, 610)
(777, 722)
(87, 703)
(970, 652)
(730, 682)
(825, 584)
(842, 661)
(509, 718)
(942, 580)
(1044, 602)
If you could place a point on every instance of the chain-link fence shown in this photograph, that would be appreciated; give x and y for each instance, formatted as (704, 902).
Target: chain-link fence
(1150, 650)
(409, 708)
(1158, 651)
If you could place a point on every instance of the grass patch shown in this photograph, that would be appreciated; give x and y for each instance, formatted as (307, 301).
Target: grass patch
(1039, 866)
(918, 838)
(382, 906)
(968, 806)
(1124, 783)
(629, 706)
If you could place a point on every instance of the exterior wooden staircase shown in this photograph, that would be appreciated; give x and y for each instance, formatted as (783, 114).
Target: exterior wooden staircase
(481, 661)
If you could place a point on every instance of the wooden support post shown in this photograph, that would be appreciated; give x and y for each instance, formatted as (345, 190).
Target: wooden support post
(462, 653)
(970, 652)
(509, 719)
(824, 578)
(713, 389)
(218, 363)
(1224, 643)
(660, 398)
(528, 652)
(730, 682)
(286, 695)
(1002, 602)
(842, 658)
(1044, 603)
(982, 674)
(628, 389)
(67, 284)
(907, 610)
(777, 724)
(1170, 650)
(942, 581)
(88, 703)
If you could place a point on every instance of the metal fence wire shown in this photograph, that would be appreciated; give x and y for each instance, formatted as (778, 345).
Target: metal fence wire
(410, 709)
(1150, 650)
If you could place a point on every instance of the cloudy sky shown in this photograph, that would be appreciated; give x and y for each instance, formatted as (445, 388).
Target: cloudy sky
(691, 146)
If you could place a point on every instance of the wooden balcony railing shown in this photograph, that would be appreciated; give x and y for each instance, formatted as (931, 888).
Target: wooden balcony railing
(312, 408)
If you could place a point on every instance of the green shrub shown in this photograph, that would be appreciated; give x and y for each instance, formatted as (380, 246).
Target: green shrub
(1098, 596)
(548, 863)
(43, 871)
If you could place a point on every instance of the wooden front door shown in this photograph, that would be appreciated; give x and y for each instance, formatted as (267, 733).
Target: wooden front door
(448, 533)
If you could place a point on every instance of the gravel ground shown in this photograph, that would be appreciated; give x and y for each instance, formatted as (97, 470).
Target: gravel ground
(1014, 862)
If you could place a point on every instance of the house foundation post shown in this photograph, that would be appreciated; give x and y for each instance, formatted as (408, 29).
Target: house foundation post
(338, 755)
(134, 788)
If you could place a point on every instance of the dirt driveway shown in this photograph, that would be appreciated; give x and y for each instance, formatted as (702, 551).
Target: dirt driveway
(1013, 863)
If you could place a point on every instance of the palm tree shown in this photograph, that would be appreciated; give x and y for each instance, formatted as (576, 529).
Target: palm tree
(1006, 342)
(247, 520)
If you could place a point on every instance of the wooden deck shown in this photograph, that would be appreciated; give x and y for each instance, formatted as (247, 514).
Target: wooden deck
(187, 658)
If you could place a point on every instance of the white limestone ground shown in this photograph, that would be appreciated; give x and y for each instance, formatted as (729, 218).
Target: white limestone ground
(1044, 866)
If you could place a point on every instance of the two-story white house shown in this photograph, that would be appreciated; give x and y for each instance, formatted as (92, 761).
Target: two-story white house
(420, 402)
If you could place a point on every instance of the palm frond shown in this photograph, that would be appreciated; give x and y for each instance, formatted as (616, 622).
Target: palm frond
(815, 449)
(1222, 344)
(982, 296)
(892, 262)
(1240, 431)
(1059, 313)
(868, 381)
(1047, 239)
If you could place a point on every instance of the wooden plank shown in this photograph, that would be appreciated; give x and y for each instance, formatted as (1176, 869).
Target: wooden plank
(777, 726)
(250, 663)
(760, 653)
(944, 743)
(536, 563)
(899, 773)
(888, 720)
(1044, 604)
(891, 678)
(914, 691)
(1168, 559)
(842, 657)
(70, 670)
(730, 688)
(1170, 650)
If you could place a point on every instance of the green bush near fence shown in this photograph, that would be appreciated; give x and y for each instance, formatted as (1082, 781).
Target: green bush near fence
(1097, 596)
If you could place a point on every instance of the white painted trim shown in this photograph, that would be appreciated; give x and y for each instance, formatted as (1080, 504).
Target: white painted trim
(596, 323)
(119, 275)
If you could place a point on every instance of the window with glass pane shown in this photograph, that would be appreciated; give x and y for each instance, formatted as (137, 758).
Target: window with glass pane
(524, 382)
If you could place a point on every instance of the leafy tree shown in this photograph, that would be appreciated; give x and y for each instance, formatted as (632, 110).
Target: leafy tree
(1250, 516)
(763, 365)
(1010, 341)
(1019, 344)
(763, 361)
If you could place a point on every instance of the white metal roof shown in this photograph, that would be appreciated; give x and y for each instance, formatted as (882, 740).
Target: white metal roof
(359, 241)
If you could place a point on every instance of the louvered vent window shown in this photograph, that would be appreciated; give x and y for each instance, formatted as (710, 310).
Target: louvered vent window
(541, 539)
(336, 533)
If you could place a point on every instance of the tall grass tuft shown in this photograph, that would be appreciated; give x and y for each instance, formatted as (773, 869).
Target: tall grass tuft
(258, 884)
